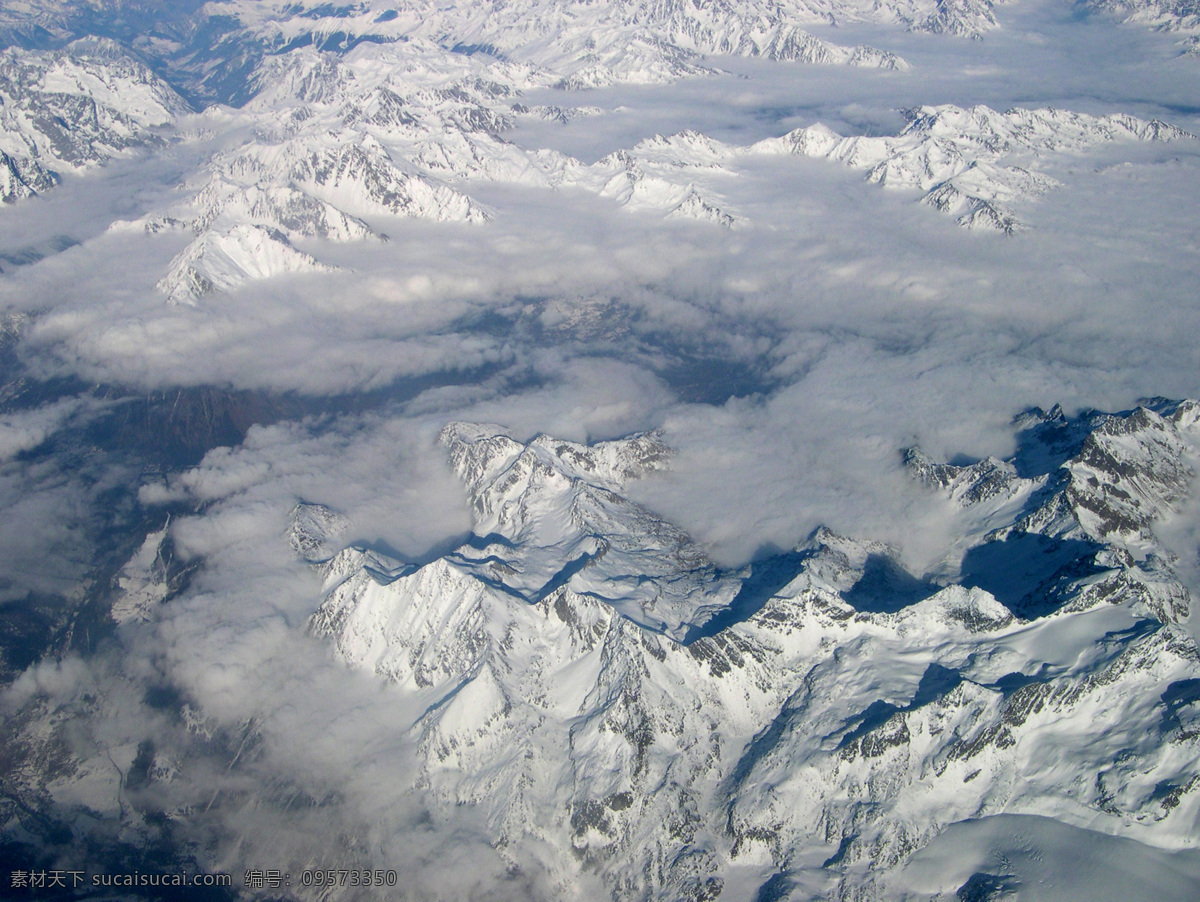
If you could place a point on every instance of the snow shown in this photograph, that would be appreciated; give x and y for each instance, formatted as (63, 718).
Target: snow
(142, 582)
(1043, 860)
(407, 128)
(973, 163)
(856, 710)
(586, 678)
(220, 261)
(112, 102)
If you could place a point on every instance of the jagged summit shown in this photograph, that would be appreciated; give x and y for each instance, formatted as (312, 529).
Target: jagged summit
(548, 516)
(313, 530)
(72, 109)
(1069, 520)
(831, 688)
(974, 163)
(586, 45)
(225, 259)
(480, 454)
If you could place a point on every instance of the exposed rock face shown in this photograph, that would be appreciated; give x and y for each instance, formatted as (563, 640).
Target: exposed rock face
(348, 118)
(973, 163)
(588, 686)
(72, 109)
(581, 677)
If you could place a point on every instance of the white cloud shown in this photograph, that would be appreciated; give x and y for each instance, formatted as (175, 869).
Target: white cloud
(787, 363)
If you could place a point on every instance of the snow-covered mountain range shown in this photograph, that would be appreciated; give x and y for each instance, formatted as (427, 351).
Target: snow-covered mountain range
(582, 679)
(590, 679)
(587, 44)
(973, 163)
(364, 148)
(71, 109)
(571, 681)
(1174, 16)
(354, 114)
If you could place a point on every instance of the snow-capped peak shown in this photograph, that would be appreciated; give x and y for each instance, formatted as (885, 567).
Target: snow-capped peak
(894, 691)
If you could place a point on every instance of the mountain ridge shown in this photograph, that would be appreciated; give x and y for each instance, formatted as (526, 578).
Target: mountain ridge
(674, 754)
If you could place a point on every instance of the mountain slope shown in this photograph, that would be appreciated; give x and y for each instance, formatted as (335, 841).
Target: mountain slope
(583, 689)
(1176, 16)
(972, 163)
(72, 109)
(587, 45)
(222, 260)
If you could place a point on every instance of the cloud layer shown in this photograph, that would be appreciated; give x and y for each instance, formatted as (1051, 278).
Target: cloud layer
(786, 361)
